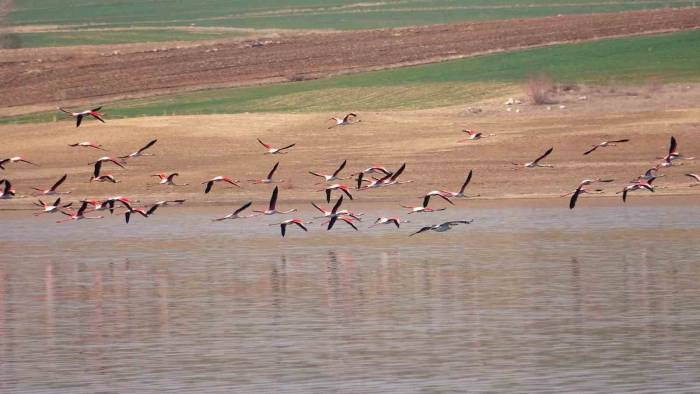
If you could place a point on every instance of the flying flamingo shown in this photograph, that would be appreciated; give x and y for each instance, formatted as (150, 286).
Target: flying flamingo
(16, 159)
(166, 203)
(336, 186)
(442, 227)
(423, 208)
(167, 179)
(88, 112)
(472, 135)
(226, 179)
(140, 152)
(80, 215)
(344, 121)
(673, 154)
(141, 211)
(236, 213)
(107, 158)
(605, 144)
(333, 176)
(97, 177)
(536, 163)
(581, 190)
(272, 209)
(52, 190)
(694, 176)
(375, 183)
(348, 220)
(389, 220)
(637, 185)
(8, 192)
(393, 179)
(51, 208)
(439, 193)
(373, 170)
(341, 212)
(87, 144)
(268, 179)
(283, 225)
(274, 151)
(460, 193)
(109, 203)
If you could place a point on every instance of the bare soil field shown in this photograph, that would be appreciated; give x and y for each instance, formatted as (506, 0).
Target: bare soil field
(201, 147)
(36, 79)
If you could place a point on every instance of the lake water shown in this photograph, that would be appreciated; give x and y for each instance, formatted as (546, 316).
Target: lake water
(523, 300)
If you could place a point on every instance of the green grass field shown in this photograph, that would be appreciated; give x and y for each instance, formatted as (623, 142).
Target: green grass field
(105, 37)
(673, 57)
(303, 14)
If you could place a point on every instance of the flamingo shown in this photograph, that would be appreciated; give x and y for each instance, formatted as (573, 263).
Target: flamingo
(393, 180)
(581, 190)
(373, 170)
(268, 179)
(423, 208)
(438, 193)
(272, 209)
(605, 144)
(375, 183)
(536, 163)
(88, 112)
(226, 179)
(389, 220)
(109, 203)
(166, 203)
(442, 227)
(87, 144)
(344, 121)
(236, 213)
(284, 224)
(341, 212)
(107, 158)
(52, 190)
(141, 211)
(16, 159)
(8, 192)
(333, 176)
(51, 208)
(348, 220)
(274, 151)
(694, 176)
(140, 152)
(101, 178)
(336, 186)
(168, 179)
(673, 154)
(460, 193)
(649, 174)
(336, 214)
(637, 185)
(80, 215)
(472, 135)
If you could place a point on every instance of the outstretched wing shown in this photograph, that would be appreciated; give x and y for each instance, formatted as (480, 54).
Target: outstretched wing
(269, 176)
(544, 155)
(574, 198)
(340, 168)
(148, 145)
(58, 183)
(591, 150)
(242, 208)
(264, 144)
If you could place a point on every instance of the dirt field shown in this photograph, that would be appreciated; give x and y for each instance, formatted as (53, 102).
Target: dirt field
(201, 147)
(36, 79)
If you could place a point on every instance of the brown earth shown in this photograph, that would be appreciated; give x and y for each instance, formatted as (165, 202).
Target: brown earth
(35, 79)
(201, 147)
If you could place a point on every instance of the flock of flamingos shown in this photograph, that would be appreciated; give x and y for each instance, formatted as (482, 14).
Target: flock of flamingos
(369, 178)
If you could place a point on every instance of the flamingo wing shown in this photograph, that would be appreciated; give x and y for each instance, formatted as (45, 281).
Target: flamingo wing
(273, 199)
(591, 150)
(466, 182)
(264, 144)
(148, 145)
(59, 182)
(269, 176)
(335, 174)
(544, 155)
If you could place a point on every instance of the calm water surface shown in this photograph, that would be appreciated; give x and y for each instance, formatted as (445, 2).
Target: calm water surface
(547, 300)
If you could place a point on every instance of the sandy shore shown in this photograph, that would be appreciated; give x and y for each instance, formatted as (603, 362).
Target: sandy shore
(201, 147)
